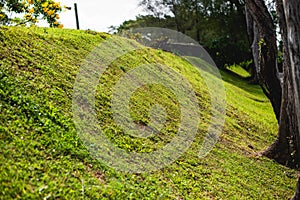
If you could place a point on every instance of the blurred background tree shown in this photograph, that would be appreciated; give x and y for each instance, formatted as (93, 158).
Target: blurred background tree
(219, 26)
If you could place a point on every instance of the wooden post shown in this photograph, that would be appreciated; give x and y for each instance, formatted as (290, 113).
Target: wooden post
(76, 15)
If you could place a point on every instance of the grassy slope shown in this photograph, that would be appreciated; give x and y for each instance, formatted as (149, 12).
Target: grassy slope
(42, 157)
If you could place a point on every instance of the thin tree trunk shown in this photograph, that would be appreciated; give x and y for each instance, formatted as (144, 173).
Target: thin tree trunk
(253, 37)
(267, 70)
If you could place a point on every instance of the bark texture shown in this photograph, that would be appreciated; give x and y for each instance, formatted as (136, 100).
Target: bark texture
(289, 129)
(297, 193)
(265, 34)
(253, 36)
(292, 16)
(286, 149)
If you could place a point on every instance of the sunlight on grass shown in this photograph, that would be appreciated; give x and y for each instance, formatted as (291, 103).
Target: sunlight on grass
(43, 157)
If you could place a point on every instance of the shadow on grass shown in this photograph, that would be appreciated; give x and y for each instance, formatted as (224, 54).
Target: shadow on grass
(241, 82)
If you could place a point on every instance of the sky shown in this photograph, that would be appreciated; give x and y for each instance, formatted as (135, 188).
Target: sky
(99, 15)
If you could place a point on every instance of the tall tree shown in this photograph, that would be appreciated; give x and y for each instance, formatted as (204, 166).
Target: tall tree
(286, 148)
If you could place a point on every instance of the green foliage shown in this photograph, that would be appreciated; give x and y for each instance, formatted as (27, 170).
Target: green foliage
(41, 156)
(32, 11)
(219, 26)
(147, 21)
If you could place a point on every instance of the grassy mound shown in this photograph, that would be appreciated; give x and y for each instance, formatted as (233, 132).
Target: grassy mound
(42, 156)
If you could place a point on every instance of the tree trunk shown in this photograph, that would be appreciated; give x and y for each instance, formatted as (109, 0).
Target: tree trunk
(292, 16)
(285, 149)
(267, 70)
(297, 193)
(253, 37)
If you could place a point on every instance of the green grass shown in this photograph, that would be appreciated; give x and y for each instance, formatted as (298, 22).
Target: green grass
(43, 157)
(239, 71)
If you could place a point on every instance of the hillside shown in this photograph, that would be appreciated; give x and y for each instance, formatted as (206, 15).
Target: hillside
(42, 156)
